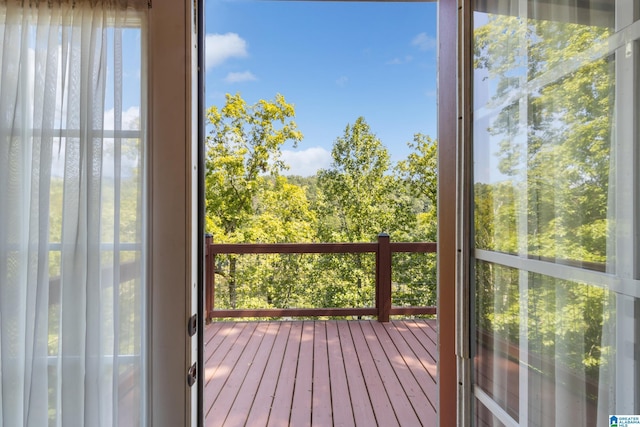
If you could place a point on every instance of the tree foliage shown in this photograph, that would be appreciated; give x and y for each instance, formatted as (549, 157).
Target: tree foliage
(244, 144)
(420, 169)
(360, 195)
(359, 198)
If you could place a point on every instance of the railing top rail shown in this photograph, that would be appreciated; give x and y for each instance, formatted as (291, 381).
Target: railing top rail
(317, 248)
(292, 248)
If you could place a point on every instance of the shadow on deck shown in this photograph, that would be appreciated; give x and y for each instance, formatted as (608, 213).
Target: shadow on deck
(322, 373)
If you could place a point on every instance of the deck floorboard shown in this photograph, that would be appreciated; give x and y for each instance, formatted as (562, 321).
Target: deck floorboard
(341, 403)
(321, 373)
(360, 402)
(263, 400)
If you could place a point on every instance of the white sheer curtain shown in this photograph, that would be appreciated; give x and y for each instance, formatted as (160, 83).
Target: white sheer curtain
(71, 214)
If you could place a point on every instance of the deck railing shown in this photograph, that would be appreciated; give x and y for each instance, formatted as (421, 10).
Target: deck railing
(383, 250)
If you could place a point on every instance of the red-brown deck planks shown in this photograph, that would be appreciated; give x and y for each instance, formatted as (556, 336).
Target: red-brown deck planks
(409, 371)
(222, 367)
(374, 385)
(283, 397)
(247, 393)
(223, 382)
(234, 383)
(333, 373)
(340, 399)
(398, 398)
(303, 390)
(360, 402)
(422, 376)
(261, 405)
(321, 410)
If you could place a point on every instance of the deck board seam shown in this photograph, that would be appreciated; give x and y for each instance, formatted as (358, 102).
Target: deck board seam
(292, 341)
(229, 340)
(245, 351)
(421, 353)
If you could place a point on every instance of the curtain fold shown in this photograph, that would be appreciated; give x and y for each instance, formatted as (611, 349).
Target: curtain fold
(71, 215)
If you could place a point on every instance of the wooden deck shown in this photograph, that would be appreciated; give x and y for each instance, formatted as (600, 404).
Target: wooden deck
(321, 373)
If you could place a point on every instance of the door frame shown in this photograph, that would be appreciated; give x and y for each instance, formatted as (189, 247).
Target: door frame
(172, 211)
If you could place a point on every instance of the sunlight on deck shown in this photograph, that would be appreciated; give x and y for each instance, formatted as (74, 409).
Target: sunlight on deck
(321, 373)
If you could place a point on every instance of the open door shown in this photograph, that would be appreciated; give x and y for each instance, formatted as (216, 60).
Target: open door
(553, 268)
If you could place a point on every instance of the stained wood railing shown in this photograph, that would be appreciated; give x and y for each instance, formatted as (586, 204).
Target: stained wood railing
(383, 250)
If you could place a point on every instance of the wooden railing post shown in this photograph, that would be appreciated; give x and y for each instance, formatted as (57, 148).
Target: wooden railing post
(383, 277)
(210, 264)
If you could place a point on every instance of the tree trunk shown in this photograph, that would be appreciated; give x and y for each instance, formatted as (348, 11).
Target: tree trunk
(232, 282)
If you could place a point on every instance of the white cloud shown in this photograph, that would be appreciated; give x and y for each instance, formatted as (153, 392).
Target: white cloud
(306, 162)
(244, 76)
(342, 81)
(220, 47)
(130, 119)
(424, 42)
(398, 61)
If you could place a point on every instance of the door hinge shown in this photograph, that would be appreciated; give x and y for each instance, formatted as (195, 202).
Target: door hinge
(192, 374)
(192, 327)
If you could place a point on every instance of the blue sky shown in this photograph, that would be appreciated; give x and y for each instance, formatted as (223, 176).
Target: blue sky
(335, 61)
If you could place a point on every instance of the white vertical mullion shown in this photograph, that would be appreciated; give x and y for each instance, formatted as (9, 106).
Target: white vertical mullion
(117, 159)
(626, 208)
(626, 253)
(145, 229)
(523, 231)
(523, 345)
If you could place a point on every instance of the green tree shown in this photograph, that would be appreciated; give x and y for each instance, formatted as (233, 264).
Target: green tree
(414, 275)
(420, 170)
(308, 183)
(244, 144)
(282, 214)
(358, 198)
